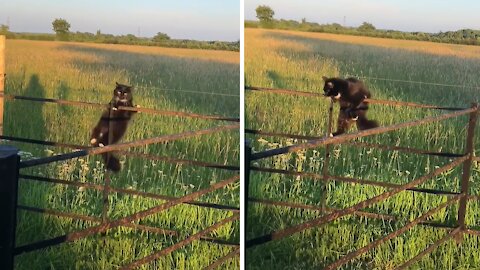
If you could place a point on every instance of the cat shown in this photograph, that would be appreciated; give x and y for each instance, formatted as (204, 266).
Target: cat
(350, 93)
(115, 119)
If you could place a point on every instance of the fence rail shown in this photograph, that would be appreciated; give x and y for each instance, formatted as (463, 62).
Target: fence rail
(368, 100)
(129, 153)
(123, 146)
(466, 159)
(133, 109)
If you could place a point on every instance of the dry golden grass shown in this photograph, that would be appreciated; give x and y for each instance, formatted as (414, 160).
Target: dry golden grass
(411, 45)
(210, 55)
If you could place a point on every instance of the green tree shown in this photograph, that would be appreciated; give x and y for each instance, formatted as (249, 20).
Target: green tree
(61, 28)
(159, 37)
(265, 14)
(4, 29)
(366, 27)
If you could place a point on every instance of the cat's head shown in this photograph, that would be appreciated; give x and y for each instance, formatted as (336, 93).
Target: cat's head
(329, 89)
(122, 93)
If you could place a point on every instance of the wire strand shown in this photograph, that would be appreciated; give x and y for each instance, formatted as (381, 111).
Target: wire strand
(187, 91)
(392, 80)
(419, 82)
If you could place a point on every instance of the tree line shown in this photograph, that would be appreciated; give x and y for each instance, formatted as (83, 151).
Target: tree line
(61, 27)
(265, 20)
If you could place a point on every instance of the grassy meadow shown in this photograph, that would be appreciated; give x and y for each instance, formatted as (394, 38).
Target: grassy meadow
(88, 72)
(295, 60)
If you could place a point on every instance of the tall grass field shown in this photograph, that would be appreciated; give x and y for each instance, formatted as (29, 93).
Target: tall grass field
(422, 72)
(195, 81)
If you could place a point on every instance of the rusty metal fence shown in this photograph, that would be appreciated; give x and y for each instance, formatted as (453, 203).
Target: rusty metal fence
(10, 166)
(331, 214)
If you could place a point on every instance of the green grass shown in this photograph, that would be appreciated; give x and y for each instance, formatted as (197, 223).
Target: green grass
(88, 73)
(283, 60)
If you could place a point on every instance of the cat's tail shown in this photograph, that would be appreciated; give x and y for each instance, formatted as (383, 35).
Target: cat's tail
(111, 162)
(363, 123)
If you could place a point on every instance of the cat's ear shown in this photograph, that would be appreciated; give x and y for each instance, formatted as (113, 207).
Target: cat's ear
(117, 84)
(324, 78)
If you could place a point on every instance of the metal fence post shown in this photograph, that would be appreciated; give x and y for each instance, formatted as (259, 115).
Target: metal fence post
(246, 182)
(9, 165)
(467, 165)
(2, 79)
(328, 147)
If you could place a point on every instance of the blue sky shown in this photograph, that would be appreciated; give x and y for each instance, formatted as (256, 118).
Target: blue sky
(190, 19)
(407, 15)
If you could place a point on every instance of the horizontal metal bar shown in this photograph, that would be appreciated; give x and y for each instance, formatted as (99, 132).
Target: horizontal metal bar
(349, 210)
(319, 208)
(125, 220)
(350, 136)
(123, 146)
(219, 241)
(129, 225)
(357, 213)
(429, 249)
(180, 244)
(357, 144)
(369, 100)
(129, 153)
(391, 235)
(105, 106)
(343, 179)
(234, 253)
(94, 219)
(473, 232)
(128, 191)
(58, 213)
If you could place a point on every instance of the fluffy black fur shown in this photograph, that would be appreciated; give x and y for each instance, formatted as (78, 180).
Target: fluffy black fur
(113, 123)
(350, 93)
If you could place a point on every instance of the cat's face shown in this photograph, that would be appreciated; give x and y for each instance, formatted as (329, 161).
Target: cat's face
(122, 93)
(329, 89)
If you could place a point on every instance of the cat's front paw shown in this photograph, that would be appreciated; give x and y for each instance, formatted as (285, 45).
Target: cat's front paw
(101, 145)
(138, 106)
(115, 108)
(93, 141)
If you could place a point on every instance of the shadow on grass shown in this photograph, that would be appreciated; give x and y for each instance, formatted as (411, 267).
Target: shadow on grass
(25, 118)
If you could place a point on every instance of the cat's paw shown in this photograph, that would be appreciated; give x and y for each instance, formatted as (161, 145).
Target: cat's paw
(138, 106)
(355, 118)
(115, 108)
(101, 144)
(93, 141)
(330, 135)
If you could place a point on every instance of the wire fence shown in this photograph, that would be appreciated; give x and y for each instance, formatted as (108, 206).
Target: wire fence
(10, 166)
(328, 215)
(188, 91)
(408, 81)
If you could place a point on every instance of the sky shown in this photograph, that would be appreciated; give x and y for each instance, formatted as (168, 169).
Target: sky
(182, 19)
(408, 15)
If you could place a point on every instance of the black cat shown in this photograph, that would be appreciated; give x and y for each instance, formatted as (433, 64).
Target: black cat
(350, 93)
(115, 119)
